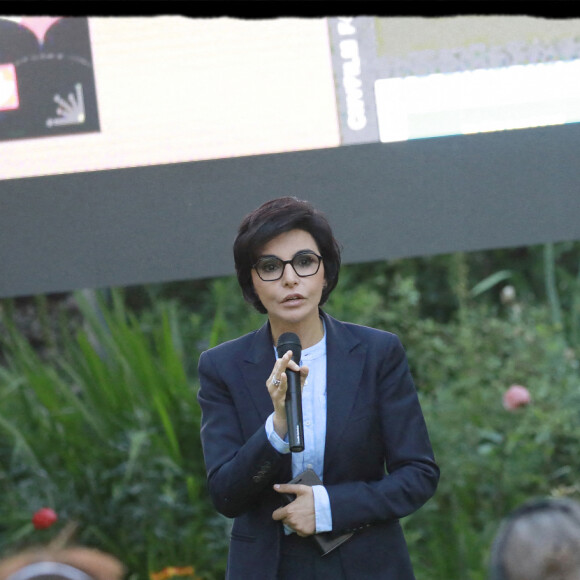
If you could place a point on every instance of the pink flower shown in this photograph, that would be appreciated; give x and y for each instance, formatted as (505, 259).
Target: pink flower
(516, 396)
(44, 518)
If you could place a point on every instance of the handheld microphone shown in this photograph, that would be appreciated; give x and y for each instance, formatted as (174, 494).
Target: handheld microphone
(290, 341)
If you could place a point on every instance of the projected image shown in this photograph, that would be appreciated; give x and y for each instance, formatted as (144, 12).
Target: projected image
(47, 84)
(478, 101)
(411, 78)
(174, 89)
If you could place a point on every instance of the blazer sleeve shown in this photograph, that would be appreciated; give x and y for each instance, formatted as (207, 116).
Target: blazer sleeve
(241, 463)
(411, 474)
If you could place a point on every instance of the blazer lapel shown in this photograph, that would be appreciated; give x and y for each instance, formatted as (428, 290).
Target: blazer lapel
(345, 363)
(256, 368)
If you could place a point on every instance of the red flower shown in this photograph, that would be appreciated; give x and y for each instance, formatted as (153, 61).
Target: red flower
(516, 396)
(44, 518)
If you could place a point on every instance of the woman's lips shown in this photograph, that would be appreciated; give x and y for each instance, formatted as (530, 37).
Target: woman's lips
(293, 298)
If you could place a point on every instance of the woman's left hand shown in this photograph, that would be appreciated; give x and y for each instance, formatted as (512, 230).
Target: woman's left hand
(299, 514)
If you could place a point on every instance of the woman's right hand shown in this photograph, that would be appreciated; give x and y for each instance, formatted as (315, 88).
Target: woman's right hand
(277, 385)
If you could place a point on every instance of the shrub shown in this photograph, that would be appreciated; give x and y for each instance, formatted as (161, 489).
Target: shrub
(108, 436)
(107, 432)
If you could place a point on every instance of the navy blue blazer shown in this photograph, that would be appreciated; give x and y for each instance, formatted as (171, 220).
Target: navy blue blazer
(378, 461)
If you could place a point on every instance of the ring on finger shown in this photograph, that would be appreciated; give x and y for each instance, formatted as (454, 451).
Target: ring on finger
(276, 382)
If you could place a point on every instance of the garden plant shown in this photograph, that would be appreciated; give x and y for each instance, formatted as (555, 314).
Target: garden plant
(99, 420)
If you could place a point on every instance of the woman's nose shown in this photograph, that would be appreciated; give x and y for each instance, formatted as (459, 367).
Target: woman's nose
(289, 276)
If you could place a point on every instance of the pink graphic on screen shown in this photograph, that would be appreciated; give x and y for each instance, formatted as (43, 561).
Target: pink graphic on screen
(39, 25)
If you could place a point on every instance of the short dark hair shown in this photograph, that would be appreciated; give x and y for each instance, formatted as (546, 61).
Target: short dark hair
(276, 217)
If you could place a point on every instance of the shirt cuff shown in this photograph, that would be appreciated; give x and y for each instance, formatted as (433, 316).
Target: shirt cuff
(279, 444)
(322, 509)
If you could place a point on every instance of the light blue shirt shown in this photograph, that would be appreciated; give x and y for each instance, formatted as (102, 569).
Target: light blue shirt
(314, 416)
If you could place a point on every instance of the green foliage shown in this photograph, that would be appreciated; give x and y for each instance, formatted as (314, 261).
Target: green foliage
(99, 418)
(108, 436)
(493, 459)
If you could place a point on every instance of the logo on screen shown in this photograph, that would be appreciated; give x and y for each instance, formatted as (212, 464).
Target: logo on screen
(47, 84)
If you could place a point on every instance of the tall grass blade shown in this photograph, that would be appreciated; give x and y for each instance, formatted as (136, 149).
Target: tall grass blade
(490, 282)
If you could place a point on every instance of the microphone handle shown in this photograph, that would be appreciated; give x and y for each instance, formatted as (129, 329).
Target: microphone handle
(294, 412)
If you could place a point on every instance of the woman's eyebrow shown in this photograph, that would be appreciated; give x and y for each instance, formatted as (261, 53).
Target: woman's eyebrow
(306, 250)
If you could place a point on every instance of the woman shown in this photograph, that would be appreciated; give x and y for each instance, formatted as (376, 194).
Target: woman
(361, 415)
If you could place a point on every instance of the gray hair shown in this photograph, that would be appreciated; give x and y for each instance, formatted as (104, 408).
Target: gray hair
(49, 571)
(540, 540)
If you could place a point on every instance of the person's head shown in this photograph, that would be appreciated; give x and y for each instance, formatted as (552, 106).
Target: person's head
(61, 560)
(269, 221)
(540, 540)
(72, 563)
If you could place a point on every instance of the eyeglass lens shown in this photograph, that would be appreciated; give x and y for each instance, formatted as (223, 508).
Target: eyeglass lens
(270, 268)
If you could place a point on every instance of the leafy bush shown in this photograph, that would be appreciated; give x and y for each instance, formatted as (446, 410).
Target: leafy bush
(108, 436)
(492, 459)
(103, 426)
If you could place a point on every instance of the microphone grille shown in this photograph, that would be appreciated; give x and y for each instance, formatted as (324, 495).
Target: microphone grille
(289, 341)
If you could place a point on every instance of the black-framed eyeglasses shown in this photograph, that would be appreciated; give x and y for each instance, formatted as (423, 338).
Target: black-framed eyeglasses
(271, 268)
